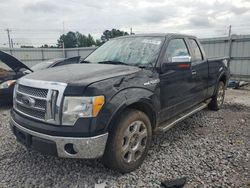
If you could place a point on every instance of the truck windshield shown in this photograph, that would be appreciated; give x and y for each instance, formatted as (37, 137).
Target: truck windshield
(135, 51)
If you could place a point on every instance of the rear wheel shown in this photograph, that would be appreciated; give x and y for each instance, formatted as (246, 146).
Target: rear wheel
(128, 142)
(218, 99)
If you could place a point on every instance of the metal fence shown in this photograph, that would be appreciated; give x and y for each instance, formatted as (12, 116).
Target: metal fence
(235, 47)
(32, 56)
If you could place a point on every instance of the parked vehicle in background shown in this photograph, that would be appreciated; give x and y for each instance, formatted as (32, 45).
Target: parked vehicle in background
(110, 105)
(55, 63)
(12, 69)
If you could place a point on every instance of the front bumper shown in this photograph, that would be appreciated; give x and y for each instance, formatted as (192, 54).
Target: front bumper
(68, 147)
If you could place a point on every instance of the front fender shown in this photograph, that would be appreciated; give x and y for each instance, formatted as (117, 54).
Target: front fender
(118, 102)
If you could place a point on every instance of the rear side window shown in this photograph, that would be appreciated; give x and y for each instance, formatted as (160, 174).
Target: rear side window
(176, 47)
(196, 50)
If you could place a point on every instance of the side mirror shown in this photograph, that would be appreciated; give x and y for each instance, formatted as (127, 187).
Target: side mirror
(181, 59)
(177, 63)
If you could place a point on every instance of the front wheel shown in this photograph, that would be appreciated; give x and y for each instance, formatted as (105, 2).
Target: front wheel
(218, 99)
(128, 142)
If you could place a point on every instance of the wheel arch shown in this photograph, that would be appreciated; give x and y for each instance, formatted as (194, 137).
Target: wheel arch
(222, 77)
(143, 105)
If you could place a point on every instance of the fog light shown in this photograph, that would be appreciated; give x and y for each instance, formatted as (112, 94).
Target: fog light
(69, 148)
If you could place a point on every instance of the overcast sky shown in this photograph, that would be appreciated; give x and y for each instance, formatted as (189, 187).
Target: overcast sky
(34, 22)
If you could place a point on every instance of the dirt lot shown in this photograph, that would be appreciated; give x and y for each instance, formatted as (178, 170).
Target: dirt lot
(211, 149)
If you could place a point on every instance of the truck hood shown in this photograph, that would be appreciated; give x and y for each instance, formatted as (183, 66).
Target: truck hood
(12, 62)
(82, 74)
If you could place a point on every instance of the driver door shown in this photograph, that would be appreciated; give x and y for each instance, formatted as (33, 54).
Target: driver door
(175, 80)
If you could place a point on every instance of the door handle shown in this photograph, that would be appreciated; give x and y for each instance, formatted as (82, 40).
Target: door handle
(194, 72)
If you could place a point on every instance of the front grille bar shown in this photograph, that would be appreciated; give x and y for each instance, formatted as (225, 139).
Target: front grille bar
(51, 105)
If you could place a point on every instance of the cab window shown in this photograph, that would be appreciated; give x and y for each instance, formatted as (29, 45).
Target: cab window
(176, 47)
(197, 52)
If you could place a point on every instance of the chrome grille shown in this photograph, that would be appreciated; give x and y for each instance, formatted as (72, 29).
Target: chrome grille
(34, 100)
(39, 103)
(33, 91)
(31, 112)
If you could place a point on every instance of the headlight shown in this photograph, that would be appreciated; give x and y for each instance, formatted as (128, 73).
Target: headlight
(76, 107)
(7, 84)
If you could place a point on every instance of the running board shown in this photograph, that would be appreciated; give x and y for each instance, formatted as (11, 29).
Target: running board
(170, 123)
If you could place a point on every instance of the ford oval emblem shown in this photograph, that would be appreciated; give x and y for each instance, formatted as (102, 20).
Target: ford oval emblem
(28, 101)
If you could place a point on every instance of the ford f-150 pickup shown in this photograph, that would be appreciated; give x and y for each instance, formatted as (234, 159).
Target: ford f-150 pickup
(110, 105)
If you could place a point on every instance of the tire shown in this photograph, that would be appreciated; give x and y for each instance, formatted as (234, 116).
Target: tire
(128, 142)
(218, 99)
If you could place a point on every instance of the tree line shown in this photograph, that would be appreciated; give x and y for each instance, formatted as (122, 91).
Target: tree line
(77, 39)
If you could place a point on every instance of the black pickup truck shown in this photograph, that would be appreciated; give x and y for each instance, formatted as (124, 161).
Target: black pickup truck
(110, 105)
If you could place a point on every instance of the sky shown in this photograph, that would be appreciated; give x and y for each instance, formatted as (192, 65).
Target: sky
(36, 22)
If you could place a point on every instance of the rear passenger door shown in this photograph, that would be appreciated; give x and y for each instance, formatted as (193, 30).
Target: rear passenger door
(199, 69)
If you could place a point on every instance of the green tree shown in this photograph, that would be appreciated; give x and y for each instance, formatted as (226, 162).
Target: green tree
(25, 46)
(45, 46)
(98, 42)
(84, 41)
(81, 39)
(108, 34)
(90, 41)
(69, 40)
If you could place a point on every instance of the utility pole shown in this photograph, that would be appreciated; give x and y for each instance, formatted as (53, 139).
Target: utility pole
(230, 43)
(8, 32)
(131, 31)
(230, 31)
(12, 44)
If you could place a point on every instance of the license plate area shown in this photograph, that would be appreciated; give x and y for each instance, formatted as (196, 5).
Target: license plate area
(23, 137)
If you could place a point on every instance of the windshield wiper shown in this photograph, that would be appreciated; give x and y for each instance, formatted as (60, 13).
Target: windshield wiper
(85, 61)
(113, 62)
(140, 65)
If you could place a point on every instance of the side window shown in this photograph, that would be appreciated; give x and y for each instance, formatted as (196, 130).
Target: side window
(196, 50)
(176, 47)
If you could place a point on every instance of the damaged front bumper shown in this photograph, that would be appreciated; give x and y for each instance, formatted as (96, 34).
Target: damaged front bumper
(68, 147)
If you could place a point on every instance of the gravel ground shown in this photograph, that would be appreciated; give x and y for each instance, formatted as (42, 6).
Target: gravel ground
(211, 149)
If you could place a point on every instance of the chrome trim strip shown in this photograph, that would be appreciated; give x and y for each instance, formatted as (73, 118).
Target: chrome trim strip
(87, 147)
(40, 83)
(48, 106)
(168, 125)
(53, 103)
